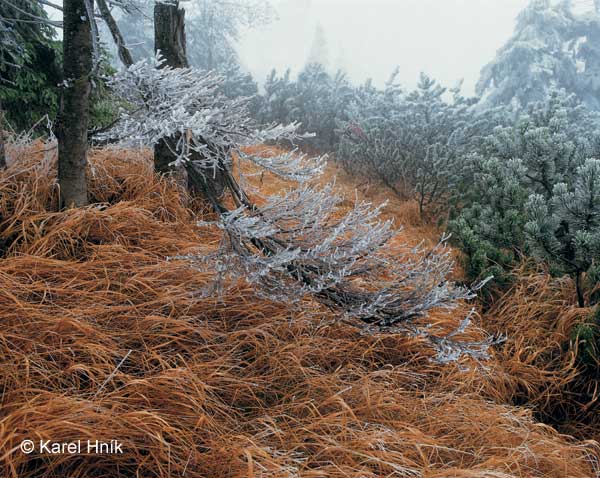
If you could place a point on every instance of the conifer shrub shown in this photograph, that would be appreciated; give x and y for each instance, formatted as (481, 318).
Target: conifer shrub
(533, 189)
(587, 337)
(413, 142)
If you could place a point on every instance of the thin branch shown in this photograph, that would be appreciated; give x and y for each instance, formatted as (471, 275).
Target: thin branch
(124, 53)
(37, 18)
(50, 4)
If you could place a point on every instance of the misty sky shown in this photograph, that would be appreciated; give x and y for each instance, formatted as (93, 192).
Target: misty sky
(449, 39)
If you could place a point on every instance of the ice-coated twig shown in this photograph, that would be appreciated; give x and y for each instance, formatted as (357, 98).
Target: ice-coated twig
(303, 241)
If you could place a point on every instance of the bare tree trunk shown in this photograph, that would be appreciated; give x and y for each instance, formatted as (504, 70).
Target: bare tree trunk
(2, 147)
(124, 53)
(169, 39)
(169, 34)
(74, 112)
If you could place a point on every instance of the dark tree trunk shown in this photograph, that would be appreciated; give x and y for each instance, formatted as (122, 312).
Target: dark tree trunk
(74, 111)
(169, 34)
(2, 147)
(124, 53)
(169, 39)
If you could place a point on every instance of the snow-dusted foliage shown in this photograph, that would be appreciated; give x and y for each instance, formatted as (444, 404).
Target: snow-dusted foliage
(298, 243)
(414, 143)
(317, 100)
(212, 32)
(532, 190)
(564, 229)
(238, 83)
(162, 102)
(302, 242)
(553, 46)
(278, 99)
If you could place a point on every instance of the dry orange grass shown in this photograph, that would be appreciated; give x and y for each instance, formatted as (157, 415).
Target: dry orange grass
(102, 338)
(538, 361)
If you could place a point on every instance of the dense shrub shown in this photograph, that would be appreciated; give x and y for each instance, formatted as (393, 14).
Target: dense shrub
(532, 190)
(414, 143)
(587, 336)
(317, 100)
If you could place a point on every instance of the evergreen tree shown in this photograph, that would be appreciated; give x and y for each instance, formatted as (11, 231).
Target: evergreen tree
(490, 227)
(565, 230)
(532, 191)
(587, 50)
(237, 83)
(319, 51)
(29, 63)
(320, 103)
(551, 48)
(413, 143)
(278, 100)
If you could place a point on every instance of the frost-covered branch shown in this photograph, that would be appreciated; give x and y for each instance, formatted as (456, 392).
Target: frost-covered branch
(164, 102)
(299, 242)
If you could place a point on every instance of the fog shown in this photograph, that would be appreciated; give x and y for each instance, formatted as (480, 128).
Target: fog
(448, 39)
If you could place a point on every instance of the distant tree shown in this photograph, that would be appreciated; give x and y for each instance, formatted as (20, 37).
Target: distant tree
(551, 48)
(587, 51)
(317, 100)
(279, 98)
(319, 50)
(213, 29)
(369, 140)
(320, 103)
(136, 26)
(238, 83)
(122, 49)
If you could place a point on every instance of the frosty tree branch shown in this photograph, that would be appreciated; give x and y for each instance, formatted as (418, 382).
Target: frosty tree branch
(300, 242)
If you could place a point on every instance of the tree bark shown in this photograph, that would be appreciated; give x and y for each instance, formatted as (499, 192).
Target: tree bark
(2, 147)
(124, 53)
(169, 34)
(74, 112)
(169, 39)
